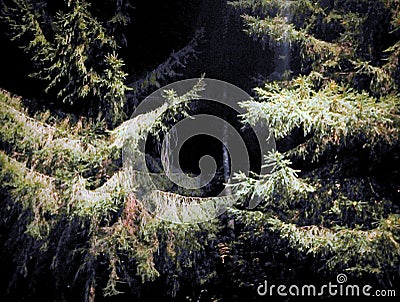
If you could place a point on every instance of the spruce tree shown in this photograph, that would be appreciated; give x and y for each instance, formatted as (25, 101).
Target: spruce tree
(329, 204)
(73, 52)
(327, 207)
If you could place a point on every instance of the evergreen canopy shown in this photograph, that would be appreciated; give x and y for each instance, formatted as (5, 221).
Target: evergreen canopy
(329, 205)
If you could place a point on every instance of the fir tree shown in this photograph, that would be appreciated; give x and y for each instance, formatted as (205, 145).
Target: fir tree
(68, 212)
(335, 211)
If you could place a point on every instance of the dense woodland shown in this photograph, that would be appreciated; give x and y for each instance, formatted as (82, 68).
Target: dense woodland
(323, 76)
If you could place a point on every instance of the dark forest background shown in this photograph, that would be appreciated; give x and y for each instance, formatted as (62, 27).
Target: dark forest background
(158, 28)
(323, 76)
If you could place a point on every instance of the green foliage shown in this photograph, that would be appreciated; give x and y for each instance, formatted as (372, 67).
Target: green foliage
(280, 188)
(167, 69)
(349, 249)
(115, 225)
(33, 191)
(74, 54)
(332, 114)
(330, 213)
(325, 204)
(53, 150)
(134, 130)
(337, 40)
(339, 248)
